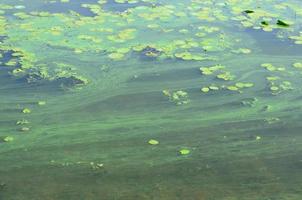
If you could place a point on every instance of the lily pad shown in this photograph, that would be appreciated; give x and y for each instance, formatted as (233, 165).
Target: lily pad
(205, 89)
(26, 111)
(298, 65)
(184, 151)
(41, 103)
(153, 142)
(8, 139)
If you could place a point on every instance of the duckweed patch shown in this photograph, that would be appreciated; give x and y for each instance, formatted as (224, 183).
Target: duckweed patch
(179, 97)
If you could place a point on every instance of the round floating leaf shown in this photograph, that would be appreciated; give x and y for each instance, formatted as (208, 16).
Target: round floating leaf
(42, 103)
(232, 88)
(116, 56)
(274, 88)
(153, 142)
(26, 110)
(205, 89)
(8, 139)
(184, 151)
(298, 65)
(214, 88)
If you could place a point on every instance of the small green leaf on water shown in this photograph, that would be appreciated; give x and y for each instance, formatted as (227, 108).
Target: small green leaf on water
(25, 129)
(274, 88)
(41, 103)
(298, 65)
(214, 88)
(153, 142)
(267, 108)
(205, 89)
(184, 151)
(232, 88)
(26, 110)
(8, 139)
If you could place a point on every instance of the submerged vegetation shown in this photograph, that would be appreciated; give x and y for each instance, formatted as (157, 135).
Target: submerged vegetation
(85, 85)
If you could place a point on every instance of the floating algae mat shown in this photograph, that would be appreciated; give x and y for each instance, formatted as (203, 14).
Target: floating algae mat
(150, 99)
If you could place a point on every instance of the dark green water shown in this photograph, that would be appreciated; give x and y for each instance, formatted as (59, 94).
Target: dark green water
(150, 100)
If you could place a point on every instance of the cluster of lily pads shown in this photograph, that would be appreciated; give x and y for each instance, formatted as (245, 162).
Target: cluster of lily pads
(220, 73)
(184, 151)
(297, 65)
(29, 34)
(277, 84)
(179, 97)
(297, 38)
(23, 124)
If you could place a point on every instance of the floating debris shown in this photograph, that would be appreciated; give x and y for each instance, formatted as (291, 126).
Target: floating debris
(22, 122)
(282, 23)
(96, 166)
(272, 120)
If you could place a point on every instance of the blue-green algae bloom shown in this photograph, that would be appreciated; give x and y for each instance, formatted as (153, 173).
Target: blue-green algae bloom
(150, 99)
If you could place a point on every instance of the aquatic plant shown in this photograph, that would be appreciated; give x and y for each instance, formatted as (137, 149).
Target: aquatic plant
(8, 139)
(227, 76)
(41, 103)
(298, 65)
(211, 70)
(153, 142)
(26, 111)
(232, 88)
(179, 97)
(205, 89)
(184, 151)
(25, 129)
(22, 121)
(244, 85)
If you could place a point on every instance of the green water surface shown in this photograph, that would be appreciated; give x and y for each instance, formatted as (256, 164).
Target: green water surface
(215, 85)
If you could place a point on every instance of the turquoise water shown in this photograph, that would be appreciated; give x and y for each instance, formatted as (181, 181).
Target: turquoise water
(155, 100)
